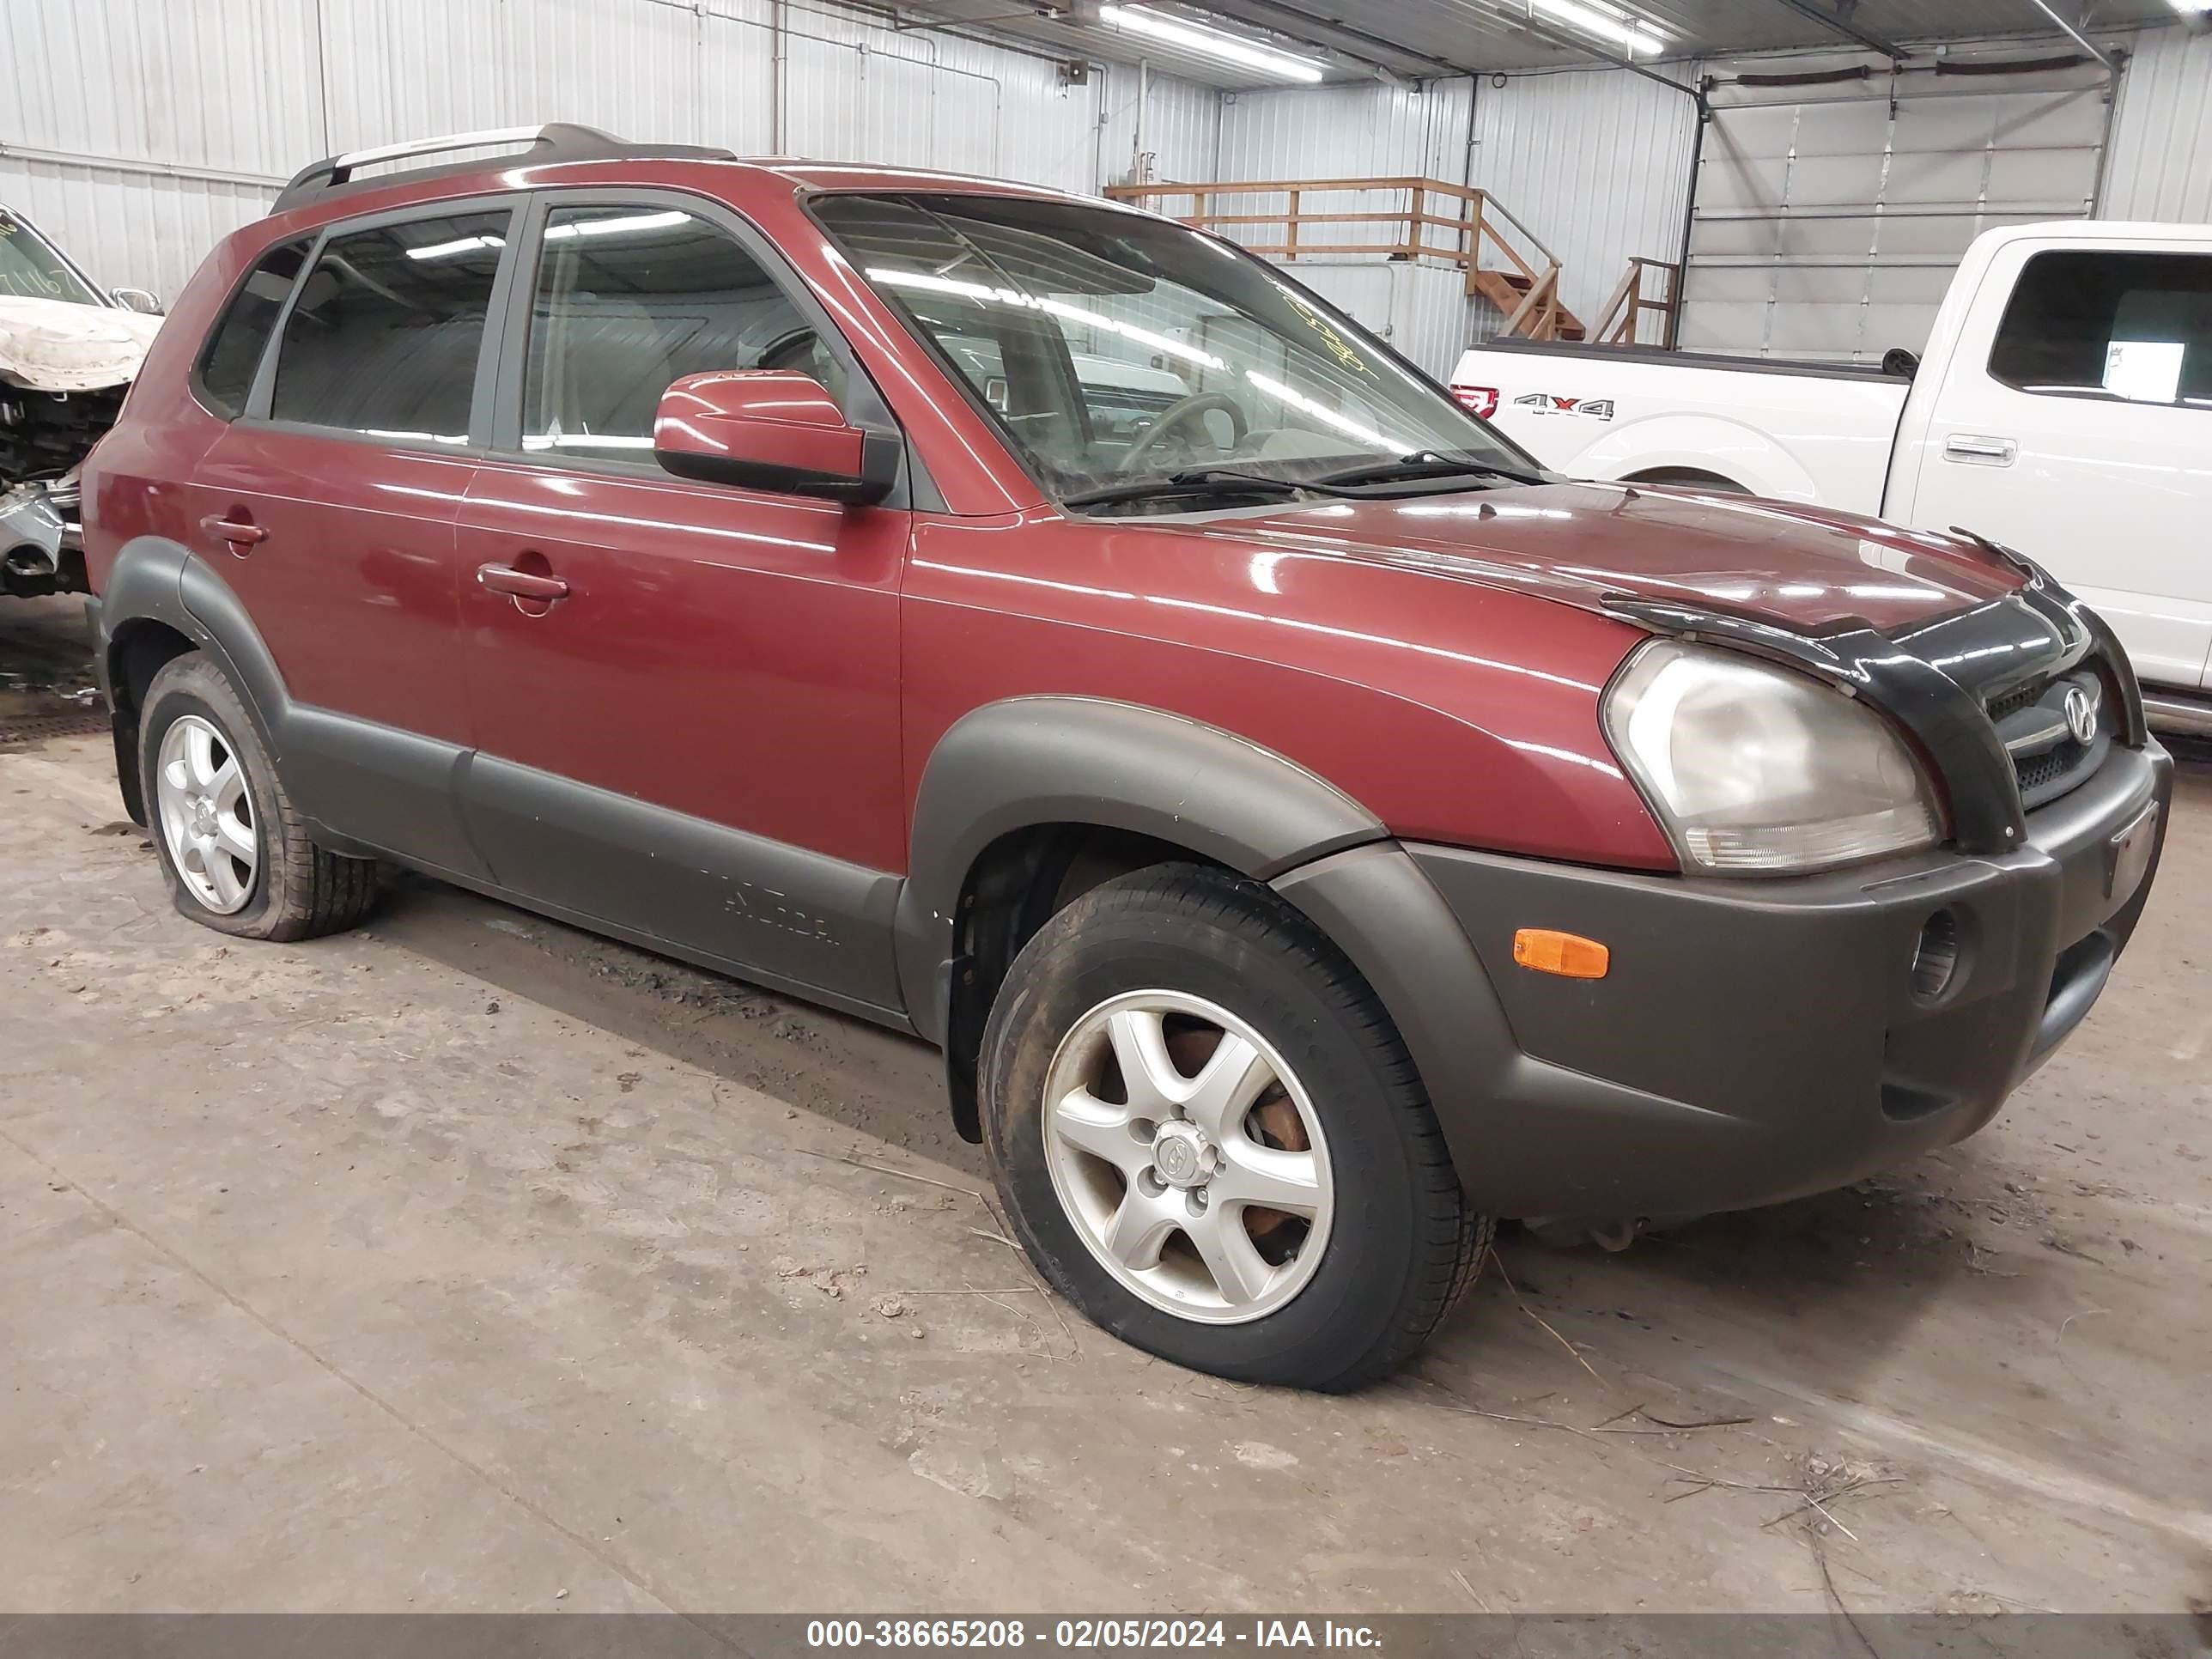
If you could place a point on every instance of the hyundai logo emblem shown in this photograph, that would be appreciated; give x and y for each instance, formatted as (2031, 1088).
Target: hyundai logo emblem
(2081, 714)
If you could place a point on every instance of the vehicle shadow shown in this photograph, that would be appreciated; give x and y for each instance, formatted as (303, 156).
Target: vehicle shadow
(1843, 1270)
(853, 1074)
(1810, 1298)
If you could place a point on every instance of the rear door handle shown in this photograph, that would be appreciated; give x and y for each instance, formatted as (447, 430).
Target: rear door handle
(522, 584)
(231, 530)
(1982, 452)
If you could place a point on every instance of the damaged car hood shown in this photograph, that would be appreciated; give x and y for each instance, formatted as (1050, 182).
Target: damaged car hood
(53, 345)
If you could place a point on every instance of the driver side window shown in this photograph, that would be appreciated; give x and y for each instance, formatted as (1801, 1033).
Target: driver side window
(631, 299)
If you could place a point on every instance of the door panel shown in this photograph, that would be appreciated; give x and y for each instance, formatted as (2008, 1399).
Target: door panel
(697, 741)
(2075, 422)
(329, 509)
(353, 585)
(740, 902)
(731, 660)
(354, 588)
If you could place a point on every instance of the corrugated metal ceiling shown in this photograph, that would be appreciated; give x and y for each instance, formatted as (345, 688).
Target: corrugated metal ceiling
(1425, 38)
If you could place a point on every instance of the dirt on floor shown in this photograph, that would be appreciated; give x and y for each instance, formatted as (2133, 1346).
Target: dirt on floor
(465, 1261)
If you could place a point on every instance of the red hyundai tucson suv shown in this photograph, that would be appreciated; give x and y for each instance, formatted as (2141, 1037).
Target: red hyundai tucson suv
(1310, 830)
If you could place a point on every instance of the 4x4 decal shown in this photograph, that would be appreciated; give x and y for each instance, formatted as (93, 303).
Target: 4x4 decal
(1545, 403)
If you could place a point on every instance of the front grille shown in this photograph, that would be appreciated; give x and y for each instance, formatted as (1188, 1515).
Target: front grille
(2036, 771)
(2013, 701)
(2048, 760)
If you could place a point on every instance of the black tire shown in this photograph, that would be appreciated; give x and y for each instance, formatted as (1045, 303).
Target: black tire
(299, 891)
(1403, 1246)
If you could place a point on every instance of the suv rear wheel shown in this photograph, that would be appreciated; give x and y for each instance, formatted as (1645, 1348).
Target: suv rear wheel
(232, 847)
(1211, 1138)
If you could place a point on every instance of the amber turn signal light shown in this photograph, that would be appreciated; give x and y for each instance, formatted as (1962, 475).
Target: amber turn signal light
(1570, 955)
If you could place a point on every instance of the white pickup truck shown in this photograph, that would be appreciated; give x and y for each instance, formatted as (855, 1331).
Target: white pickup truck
(2063, 406)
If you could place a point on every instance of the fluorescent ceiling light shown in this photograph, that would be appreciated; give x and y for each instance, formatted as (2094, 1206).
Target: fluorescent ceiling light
(1211, 43)
(977, 291)
(2192, 7)
(1611, 23)
(626, 223)
(447, 250)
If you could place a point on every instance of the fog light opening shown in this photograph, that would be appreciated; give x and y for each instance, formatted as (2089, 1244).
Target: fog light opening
(1935, 958)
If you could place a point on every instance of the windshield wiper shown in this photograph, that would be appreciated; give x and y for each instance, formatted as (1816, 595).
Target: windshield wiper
(1412, 468)
(1193, 481)
(1355, 482)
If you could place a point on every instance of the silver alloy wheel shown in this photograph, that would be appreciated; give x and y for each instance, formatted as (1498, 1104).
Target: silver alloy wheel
(207, 815)
(1158, 1167)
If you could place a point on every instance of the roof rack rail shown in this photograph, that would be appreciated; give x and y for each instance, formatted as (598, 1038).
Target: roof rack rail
(557, 141)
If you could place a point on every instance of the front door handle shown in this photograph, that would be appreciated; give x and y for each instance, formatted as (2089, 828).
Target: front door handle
(233, 531)
(520, 584)
(1982, 452)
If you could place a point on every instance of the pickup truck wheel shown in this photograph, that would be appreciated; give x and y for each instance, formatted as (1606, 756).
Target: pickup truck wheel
(1210, 1139)
(231, 845)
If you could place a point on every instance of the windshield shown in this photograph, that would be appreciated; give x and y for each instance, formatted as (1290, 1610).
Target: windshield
(30, 269)
(1116, 350)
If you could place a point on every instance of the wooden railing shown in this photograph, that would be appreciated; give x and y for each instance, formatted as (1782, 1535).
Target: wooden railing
(1504, 260)
(1619, 324)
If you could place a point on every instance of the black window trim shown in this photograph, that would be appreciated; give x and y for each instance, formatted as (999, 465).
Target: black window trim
(196, 382)
(864, 403)
(2091, 394)
(264, 378)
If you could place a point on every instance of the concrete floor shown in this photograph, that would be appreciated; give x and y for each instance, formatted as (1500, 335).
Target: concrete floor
(464, 1262)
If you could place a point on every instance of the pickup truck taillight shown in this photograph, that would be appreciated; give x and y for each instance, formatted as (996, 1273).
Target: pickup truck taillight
(1479, 401)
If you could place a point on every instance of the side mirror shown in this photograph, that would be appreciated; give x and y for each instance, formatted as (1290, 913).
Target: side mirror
(771, 430)
(137, 299)
(1900, 362)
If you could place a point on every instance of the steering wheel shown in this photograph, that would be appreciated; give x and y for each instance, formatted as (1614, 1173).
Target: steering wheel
(1179, 414)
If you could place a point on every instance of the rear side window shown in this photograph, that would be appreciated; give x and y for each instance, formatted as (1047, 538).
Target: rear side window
(629, 299)
(234, 350)
(2137, 326)
(384, 338)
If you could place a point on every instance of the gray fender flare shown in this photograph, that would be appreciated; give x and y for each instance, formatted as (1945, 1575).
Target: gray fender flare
(156, 579)
(161, 580)
(1029, 761)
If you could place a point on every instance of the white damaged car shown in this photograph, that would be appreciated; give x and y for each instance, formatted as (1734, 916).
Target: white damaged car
(68, 351)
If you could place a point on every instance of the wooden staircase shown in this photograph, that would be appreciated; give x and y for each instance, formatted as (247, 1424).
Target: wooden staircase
(1521, 299)
(1621, 322)
(1422, 219)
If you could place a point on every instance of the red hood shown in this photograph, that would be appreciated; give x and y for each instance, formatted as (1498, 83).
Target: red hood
(1799, 567)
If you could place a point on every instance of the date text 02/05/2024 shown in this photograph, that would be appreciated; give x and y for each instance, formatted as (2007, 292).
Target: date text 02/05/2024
(1087, 1633)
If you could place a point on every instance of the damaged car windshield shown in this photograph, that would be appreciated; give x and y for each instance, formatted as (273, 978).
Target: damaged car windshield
(1118, 351)
(31, 268)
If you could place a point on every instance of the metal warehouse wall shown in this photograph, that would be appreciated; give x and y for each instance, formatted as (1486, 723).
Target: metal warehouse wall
(138, 131)
(1364, 130)
(2159, 165)
(1179, 137)
(1596, 164)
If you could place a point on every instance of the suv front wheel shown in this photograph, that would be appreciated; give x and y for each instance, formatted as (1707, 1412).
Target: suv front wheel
(233, 850)
(1211, 1138)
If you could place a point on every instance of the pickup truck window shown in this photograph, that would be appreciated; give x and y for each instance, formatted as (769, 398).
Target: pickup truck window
(1113, 348)
(2103, 323)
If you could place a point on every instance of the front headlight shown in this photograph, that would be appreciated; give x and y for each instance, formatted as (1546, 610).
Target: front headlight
(1753, 769)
